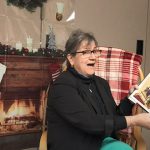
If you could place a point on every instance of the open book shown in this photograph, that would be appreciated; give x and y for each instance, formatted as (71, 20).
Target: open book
(141, 96)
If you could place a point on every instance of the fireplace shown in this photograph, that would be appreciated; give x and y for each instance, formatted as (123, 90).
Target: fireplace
(22, 89)
(22, 115)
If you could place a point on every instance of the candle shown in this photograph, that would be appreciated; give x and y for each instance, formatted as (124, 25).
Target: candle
(35, 50)
(29, 44)
(19, 46)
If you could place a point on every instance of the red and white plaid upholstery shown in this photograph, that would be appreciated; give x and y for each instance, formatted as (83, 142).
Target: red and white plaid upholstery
(120, 69)
(56, 74)
(55, 70)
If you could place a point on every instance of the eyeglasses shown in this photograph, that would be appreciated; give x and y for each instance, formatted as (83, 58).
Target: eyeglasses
(88, 53)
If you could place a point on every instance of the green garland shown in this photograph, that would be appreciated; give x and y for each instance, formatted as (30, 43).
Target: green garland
(9, 50)
(30, 5)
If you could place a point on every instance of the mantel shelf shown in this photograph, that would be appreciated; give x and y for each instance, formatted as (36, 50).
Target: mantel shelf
(26, 75)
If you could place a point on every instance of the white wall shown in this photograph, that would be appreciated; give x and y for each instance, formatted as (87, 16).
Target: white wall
(117, 23)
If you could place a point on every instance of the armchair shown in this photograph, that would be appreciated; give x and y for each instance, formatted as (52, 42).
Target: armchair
(122, 70)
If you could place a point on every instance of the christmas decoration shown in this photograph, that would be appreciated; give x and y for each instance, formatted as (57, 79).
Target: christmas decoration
(44, 52)
(51, 42)
(13, 51)
(30, 5)
(52, 49)
(25, 51)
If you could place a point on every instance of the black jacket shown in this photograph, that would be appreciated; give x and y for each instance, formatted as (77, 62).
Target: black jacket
(74, 119)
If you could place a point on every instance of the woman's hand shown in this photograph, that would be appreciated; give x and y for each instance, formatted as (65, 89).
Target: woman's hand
(142, 120)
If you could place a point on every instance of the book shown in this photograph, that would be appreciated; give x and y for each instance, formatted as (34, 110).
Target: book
(141, 95)
(2, 71)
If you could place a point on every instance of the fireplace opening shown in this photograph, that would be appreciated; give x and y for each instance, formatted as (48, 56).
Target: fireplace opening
(20, 116)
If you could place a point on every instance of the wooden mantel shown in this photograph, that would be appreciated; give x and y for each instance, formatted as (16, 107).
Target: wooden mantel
(26, 76)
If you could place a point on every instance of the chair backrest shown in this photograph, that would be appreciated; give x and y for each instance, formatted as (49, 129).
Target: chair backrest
(54, 71)
(120, 68)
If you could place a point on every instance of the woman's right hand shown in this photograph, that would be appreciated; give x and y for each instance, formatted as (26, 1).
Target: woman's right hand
(142, 120)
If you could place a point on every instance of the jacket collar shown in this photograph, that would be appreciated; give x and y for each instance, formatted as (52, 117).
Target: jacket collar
(80, 76)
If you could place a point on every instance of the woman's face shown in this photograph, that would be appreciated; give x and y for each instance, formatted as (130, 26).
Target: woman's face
(83, 64)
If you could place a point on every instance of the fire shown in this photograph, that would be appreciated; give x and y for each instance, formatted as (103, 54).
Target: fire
(20, 115)
(3, 114)
(20, 108)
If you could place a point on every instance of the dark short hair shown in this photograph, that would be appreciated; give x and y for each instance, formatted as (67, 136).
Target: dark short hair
(74, 42)
(75, 39)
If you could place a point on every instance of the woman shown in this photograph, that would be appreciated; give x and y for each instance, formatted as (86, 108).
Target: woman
(81, 112)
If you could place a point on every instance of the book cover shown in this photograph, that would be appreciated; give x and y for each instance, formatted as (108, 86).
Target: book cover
(141, 95)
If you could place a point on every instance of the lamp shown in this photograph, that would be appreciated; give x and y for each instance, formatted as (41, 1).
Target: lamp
(60, 9)
(71, 17)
